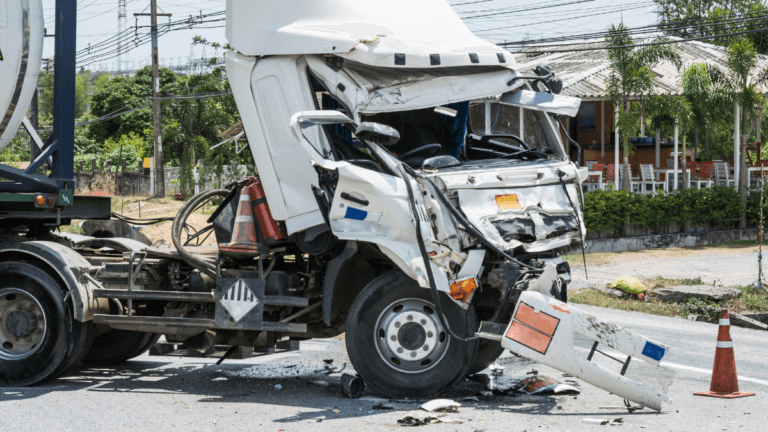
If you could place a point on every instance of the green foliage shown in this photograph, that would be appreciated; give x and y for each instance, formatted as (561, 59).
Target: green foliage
(129, 147)
(186, 174)
(608, 210)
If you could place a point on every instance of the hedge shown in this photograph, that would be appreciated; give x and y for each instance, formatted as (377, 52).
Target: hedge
(713, 208)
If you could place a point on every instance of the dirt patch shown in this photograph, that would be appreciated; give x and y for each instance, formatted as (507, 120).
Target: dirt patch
(601, 259)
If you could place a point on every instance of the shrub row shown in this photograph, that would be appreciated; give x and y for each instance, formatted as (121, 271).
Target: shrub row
(715, 208)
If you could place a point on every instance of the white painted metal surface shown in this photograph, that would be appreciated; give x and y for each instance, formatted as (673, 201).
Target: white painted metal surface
(542, 329)
(21, 45)
(546, 102)
(365, 31)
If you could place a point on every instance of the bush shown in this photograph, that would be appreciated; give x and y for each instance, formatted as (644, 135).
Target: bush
(717, 207)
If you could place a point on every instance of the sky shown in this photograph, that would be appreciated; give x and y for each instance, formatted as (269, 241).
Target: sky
(494, 20)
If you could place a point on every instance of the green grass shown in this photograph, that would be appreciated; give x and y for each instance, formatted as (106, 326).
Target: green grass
(750, 301)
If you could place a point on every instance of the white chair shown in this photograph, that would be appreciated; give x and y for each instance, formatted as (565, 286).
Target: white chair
(634, 182)
(723, 175)
(649, 179)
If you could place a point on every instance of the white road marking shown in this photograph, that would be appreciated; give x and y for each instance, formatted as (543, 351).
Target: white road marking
(622, 358)
(709, 372)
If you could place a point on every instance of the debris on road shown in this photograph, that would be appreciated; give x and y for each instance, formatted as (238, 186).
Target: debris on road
(328, 361)
(533, 383)
(414, 421)
(278, 387)
(441, 405)
(603, 422)
(352, 386)
(557, 389)
(320, 383)
(382, 407)
(332, 370)
(497, 369)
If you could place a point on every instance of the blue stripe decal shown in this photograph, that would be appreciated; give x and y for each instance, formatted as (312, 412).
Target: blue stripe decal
(356, 214)
(653, 351)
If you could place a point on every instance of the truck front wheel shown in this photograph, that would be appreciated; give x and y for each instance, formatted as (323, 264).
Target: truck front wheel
(398, 345)
(39, 339)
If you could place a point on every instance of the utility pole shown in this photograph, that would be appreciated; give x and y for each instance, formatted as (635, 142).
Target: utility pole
(156, 123)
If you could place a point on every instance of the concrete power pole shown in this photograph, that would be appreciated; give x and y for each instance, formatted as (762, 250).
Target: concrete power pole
(121, 22)
(156, 123)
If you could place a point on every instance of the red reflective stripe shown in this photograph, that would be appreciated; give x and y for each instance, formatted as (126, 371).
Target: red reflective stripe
(529, 337)
(540, 321)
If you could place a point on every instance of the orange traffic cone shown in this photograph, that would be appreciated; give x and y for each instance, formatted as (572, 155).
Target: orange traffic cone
(244, 243)
(725, 382)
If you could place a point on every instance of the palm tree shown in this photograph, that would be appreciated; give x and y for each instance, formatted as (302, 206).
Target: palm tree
(742, 78)
(631, 77)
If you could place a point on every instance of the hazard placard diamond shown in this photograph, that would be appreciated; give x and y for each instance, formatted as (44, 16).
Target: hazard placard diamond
(239, 299)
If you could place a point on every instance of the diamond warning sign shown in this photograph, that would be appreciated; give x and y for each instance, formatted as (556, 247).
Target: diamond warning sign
(239, 299)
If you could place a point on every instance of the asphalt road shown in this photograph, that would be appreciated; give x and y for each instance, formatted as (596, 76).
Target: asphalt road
(166, 393)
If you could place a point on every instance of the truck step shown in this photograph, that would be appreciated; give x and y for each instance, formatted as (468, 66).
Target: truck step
(191, 297)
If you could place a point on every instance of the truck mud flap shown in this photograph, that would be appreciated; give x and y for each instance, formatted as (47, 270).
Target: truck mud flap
(543, 330)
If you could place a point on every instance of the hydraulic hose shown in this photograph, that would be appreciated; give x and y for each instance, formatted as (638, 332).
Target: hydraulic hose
(178, 225)
(427, 262)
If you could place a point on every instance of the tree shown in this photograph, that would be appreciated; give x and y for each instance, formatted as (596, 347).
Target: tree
(702, 18)
(709, 98)
(743, 78)
(631, 77)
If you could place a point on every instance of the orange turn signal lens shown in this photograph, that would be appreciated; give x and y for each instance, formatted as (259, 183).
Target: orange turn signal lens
(40, 200)
(50, 201)
(462, 290)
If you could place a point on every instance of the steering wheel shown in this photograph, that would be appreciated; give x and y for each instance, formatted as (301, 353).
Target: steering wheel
(486, 138)
(429, 149)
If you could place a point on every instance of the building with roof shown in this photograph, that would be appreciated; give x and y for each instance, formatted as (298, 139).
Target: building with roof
(585, 73)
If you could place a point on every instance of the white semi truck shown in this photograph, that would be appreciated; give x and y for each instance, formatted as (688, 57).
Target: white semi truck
(386, 207)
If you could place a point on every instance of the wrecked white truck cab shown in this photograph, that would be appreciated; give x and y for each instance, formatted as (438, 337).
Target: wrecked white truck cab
(358, 116)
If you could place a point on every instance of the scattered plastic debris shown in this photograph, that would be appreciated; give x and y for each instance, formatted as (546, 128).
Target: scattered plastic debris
(414, 421)
(278, 387)
(382, 407)
(533, 383)
(332, 370)
(336, 410)
(497, 369)
(441, 405)
(558, 389)
(603, 422)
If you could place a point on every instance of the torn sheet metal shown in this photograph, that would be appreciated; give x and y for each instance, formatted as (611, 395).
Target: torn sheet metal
(537, 218)
(542, 330)
(547, 102)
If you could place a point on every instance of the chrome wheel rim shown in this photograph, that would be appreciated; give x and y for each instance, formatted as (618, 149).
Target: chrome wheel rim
(409, 336)
(23, 324)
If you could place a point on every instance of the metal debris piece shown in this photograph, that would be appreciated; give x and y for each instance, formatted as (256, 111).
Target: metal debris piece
(352, 386)
(532, 372)
(604, 422)
(320, 383)
(441, 405)
(328, 361)
(278, 387)
(497, 370)
(470, 398)
(332, 370)
(382, 407)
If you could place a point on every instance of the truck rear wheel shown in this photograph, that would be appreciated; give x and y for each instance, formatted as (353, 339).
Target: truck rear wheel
(397, 343)
(39, 338)
(116, 346)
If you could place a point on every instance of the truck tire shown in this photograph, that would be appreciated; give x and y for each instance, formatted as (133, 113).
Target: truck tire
(116, 346)
(39, 338)
(397, 344)
(487, 353)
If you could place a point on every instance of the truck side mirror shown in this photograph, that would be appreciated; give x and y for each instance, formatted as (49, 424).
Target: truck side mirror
(378, 133)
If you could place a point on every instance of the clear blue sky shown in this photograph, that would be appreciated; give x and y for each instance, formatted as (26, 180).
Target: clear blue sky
(495, 20)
